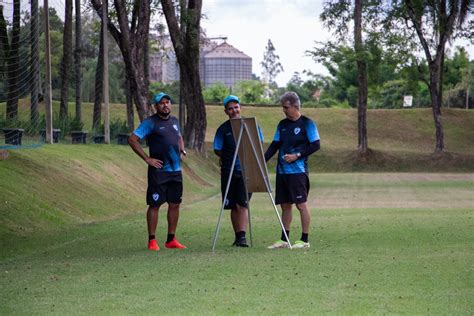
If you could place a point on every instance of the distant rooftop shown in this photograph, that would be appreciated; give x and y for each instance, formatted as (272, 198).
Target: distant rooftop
(225, 50)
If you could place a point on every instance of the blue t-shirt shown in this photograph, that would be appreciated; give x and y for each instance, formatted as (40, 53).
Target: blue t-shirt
(293, 137)
(163, 140)
(224, 141)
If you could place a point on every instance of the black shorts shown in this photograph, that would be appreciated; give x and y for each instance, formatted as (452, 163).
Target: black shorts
(164, 187)
(292, 188)
(236, 194)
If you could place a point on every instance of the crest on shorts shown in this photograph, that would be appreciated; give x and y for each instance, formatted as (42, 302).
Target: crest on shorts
(226, 202)
(175, 127)
(297, 130)
(156, 196)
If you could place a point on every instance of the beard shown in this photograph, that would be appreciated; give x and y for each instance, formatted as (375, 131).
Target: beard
(164, 114)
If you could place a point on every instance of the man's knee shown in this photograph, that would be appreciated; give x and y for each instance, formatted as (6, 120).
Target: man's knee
(173, 206)
(302, 206)
(153, 209)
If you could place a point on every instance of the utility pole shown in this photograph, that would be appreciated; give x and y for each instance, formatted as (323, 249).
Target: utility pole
(48, 92)
(106, 74)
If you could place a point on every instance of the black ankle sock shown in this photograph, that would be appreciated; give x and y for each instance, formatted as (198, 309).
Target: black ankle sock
(240, 234)
(170, 237)
(304, 237)
(151, 237)
(283, 235)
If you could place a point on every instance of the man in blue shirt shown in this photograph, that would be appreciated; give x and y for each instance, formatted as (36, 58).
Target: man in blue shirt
(296, 138)
(165, 181)
(224, 147)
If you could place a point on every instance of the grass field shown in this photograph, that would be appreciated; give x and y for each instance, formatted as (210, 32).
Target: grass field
(73, 234)
(381, 243)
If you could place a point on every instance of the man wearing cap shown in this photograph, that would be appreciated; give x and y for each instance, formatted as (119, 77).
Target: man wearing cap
(165, 182)
(224, 147)
(296, 138)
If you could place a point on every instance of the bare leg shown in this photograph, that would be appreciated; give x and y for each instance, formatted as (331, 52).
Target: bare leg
(240, 218)
(173, 216)
(286, 215)
(152, 219)
(305, 216)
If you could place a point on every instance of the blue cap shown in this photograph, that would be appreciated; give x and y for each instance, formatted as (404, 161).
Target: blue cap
(160, 96)
(231, 98)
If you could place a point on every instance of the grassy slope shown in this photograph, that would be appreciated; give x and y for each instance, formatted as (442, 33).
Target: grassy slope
(56, 185)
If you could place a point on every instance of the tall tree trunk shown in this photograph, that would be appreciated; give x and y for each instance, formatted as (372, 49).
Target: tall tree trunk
(361, 78)
(66, 62)
(444, 16)
(146, 61)
(186, 46)
(12, 57)
(131, 39)
(130, 114)
(99, 78)
(35, 71)
(435, 92)
(77, 60)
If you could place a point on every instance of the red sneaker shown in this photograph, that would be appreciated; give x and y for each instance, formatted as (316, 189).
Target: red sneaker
(153, 245)
(174, 244)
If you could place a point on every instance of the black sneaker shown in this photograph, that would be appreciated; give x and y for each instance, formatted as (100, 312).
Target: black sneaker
(241, 242)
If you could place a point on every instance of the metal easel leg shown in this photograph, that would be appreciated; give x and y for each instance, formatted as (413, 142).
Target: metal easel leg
(267, 184)
(226, 191)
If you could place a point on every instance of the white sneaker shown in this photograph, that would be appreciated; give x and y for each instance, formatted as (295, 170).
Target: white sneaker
(300, 245)
(279, 244)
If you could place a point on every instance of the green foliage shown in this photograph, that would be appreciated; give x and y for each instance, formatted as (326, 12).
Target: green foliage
(455, 66)
(271, 63)
(76, 125)
(116, 126)
(215, 93)
(20, 122)
(172, 89)
(250, 91)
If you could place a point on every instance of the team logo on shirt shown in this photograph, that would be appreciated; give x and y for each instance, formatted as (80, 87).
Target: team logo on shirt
(297, 130)
(156, 196)
(175, 127)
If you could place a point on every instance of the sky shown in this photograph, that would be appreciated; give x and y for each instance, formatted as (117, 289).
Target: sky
(292, 26)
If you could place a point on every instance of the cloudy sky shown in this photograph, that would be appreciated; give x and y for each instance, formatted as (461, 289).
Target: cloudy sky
(293, 26)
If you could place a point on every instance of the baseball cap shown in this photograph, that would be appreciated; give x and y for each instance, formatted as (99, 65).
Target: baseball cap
(231, 98)
(160, 96)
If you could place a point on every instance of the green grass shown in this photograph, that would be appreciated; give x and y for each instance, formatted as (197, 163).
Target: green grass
(381, 243)
(73, 233)
(58, 185)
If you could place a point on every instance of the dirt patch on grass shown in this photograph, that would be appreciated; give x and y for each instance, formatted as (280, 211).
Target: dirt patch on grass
(375, 160)
(393, 190)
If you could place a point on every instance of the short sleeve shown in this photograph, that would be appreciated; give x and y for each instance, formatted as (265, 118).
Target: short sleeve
(276, 138)
(312, 131)
(144, 128)
(218, 140)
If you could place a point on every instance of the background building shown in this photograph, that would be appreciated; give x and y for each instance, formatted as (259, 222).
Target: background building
(227, 65)
(217, 63)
